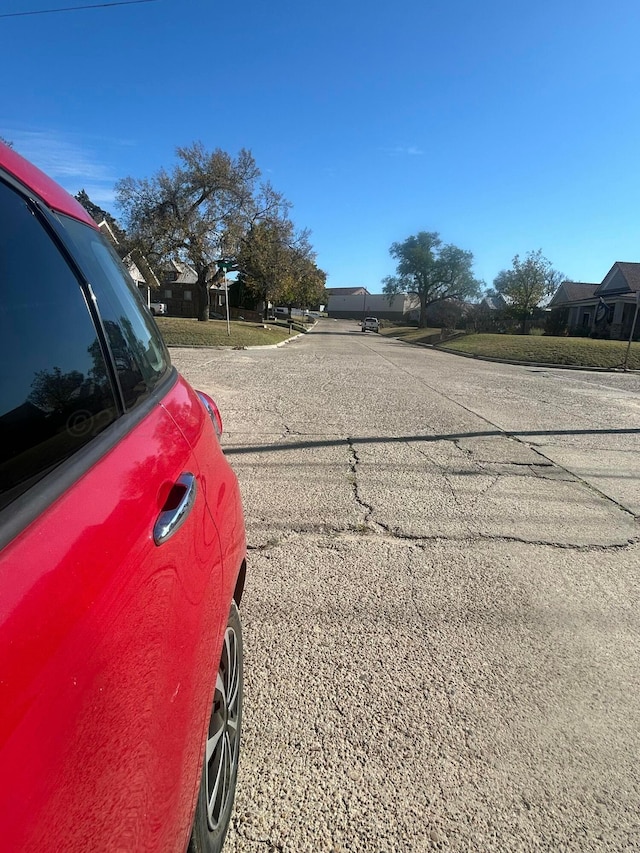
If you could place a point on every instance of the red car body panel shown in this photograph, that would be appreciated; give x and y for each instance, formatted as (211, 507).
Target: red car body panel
(109, 643)
(218, 480)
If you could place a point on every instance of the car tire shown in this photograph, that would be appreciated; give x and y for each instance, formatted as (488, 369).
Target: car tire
(220, 769)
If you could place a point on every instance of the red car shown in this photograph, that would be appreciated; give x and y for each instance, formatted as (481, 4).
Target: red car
(123, 555)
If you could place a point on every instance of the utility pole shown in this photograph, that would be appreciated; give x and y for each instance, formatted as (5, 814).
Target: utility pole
(633, 328)
(225, 266)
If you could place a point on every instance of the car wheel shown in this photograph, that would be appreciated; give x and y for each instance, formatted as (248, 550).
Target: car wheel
(220, 770)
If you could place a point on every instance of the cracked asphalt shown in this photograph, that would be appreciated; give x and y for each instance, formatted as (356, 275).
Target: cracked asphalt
(441, 617)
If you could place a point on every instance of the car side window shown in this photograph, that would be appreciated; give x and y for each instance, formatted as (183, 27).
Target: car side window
(55, 390)
(139, 353)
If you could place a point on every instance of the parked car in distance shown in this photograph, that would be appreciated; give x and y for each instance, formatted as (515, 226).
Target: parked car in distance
(122, 555)
(158, 308)
(370, 324)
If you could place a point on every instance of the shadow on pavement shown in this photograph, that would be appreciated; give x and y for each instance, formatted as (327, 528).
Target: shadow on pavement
(400, 439)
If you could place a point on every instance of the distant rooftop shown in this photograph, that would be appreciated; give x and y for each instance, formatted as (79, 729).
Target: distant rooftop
(345, 291)
(579, 289)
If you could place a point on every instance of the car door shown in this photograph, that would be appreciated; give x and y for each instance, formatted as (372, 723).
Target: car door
(107, 621)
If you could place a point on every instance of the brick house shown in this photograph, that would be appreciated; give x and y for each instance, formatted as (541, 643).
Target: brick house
(178, 291)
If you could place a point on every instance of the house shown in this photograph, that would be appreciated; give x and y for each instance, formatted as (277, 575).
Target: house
(175, 286)
(136, 264)
(493, 302)
(355, 303)
(178, 290)
(604, 310)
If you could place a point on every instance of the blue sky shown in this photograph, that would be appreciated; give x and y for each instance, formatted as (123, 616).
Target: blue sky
(504, 125)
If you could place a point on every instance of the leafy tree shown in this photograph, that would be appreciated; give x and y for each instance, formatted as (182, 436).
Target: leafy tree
(431, 270)
(263, 258)
(198, 212)
(526, 286)
(305, 282)
(99, 213)
(278, 265)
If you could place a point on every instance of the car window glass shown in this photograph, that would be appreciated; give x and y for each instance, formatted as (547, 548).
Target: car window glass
(55, 393)
(139, 353)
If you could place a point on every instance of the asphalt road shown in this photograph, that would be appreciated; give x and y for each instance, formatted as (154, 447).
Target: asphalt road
(441, 617)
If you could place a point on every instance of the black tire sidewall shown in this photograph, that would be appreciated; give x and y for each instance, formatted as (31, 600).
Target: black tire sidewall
(202, 839)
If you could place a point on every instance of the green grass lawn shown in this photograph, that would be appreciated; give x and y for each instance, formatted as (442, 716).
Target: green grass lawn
(410, 334)
(187, 332)
(584, 352)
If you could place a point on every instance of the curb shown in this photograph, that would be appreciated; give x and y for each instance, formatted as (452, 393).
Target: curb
(222, 347)
(253, 346)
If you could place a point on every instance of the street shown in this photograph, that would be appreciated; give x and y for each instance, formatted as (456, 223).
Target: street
(441, 617)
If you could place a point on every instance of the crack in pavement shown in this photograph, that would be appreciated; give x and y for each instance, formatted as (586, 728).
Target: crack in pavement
(445, 474)
(354, 461)
(513, 435)
(289, 431)
(384, 533)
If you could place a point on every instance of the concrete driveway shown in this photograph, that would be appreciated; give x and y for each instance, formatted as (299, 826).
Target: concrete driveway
(441, 614)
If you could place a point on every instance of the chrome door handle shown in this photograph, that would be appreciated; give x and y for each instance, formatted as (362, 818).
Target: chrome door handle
(179, 503)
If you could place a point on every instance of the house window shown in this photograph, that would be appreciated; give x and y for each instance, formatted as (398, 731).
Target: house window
(586, 319)
(187, 296)
(168, 294)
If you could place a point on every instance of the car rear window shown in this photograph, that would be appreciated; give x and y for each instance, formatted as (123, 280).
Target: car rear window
(139, 353)
(55, 390)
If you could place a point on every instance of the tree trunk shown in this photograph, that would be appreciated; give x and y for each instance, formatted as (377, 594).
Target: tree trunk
(422, 323)
(202, 290)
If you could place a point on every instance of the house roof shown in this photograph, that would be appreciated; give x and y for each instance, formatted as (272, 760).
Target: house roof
(345, 291)
(142, 264)
(185, 273)
(494, 303)
(573, 291)
(108, 231)
(623, 277)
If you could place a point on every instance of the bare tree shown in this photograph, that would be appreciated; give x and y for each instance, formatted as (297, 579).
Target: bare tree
(198, 212)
